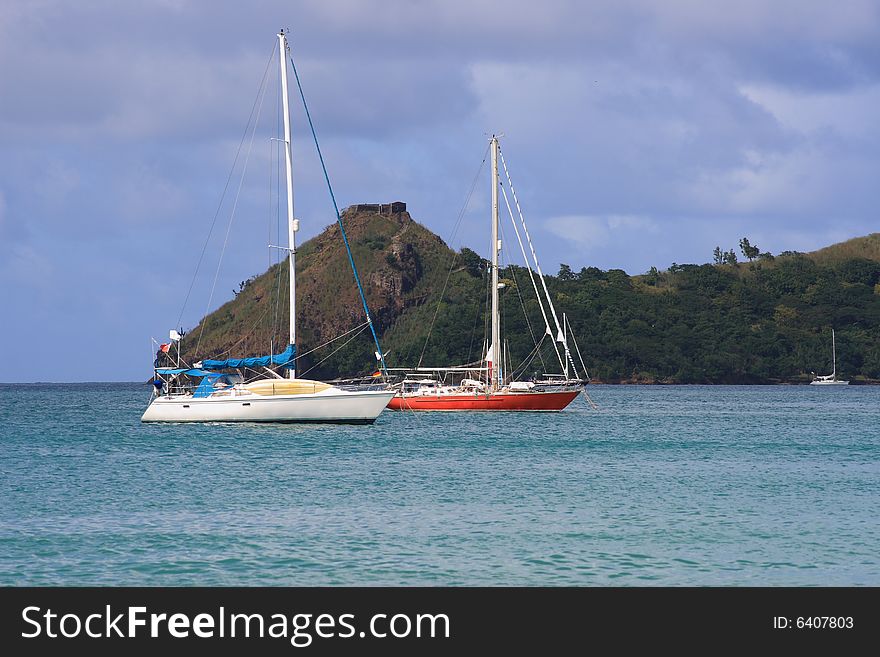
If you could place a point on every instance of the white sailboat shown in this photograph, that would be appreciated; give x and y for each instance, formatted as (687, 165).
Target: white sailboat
(223, 394)
(830, 379)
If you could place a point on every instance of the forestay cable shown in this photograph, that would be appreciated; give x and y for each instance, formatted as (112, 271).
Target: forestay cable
(380, 356)
(547, 329)
(560, 336)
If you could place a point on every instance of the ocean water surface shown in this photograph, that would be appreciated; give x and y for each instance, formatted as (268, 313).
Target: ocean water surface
(684, 485)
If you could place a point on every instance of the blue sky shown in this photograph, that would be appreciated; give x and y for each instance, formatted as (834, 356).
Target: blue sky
(638, 134)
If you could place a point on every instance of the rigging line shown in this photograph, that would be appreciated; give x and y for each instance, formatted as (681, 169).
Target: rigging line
(250, 332)
(531, 275)
(589, 400)
(409, 347)
(380, 356)
(577, 348)
(269, 217)
(502, 298)
(270, 326)
(335, 350)
(261, 94)
(452, 265)
(153, 351)
(412, 412)
(521, 368)
(537, 264)
(338, 337)
(455, 254)
(510, 267)
(522, 304)
(225, 188)
(474, 330)
(487, 316)
(276, 322)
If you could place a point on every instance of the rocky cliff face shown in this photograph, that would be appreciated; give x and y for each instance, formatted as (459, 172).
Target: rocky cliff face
(399, 262)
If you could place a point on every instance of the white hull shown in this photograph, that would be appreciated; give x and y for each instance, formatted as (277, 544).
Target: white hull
(333, 405)
(223, 397)
(829, 383)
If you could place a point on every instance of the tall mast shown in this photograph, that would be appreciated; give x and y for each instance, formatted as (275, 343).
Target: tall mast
(833, 355)
(495, 347)
(292, 224)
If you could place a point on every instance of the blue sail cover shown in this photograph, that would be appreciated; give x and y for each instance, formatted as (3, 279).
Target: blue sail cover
(189, 372)
(206, 387)
(284, 359)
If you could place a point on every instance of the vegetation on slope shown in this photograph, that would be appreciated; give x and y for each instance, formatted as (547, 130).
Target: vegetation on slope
(767, 320)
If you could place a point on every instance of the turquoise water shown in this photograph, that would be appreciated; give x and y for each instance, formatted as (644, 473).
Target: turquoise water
(690, 485)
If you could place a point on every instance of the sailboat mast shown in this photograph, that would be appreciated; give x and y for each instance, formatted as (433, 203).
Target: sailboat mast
(292, 224)
(495, 347)
(833, 356)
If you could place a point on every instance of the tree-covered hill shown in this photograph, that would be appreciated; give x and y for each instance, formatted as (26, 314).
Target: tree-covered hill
(402, 266)
(763, 321)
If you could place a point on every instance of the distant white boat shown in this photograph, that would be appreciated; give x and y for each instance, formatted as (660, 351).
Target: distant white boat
(830, 379)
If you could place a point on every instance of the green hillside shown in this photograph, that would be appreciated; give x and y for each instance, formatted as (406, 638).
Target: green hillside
(758, 322)
(403, 267)
(867, 247)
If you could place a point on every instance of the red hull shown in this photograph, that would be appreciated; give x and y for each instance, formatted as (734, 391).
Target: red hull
(499, 401)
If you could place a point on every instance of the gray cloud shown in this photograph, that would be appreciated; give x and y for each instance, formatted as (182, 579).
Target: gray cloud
(637, 133)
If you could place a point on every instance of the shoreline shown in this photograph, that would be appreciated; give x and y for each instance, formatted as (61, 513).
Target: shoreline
(852, 382)
(592, 382)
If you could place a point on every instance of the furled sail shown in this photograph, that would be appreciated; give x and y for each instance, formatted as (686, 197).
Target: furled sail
(284, 359)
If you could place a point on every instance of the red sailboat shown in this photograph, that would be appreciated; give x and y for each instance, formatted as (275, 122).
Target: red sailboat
(430, 395)
(485, 386)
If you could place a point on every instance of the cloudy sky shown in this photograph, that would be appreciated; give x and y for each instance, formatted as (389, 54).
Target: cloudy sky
(638, 133)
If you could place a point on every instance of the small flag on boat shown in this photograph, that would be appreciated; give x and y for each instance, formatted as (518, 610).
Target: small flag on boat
(174, 335)
(377, 373)
(165, 347)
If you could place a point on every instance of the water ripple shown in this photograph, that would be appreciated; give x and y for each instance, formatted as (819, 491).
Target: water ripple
(684, 485)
